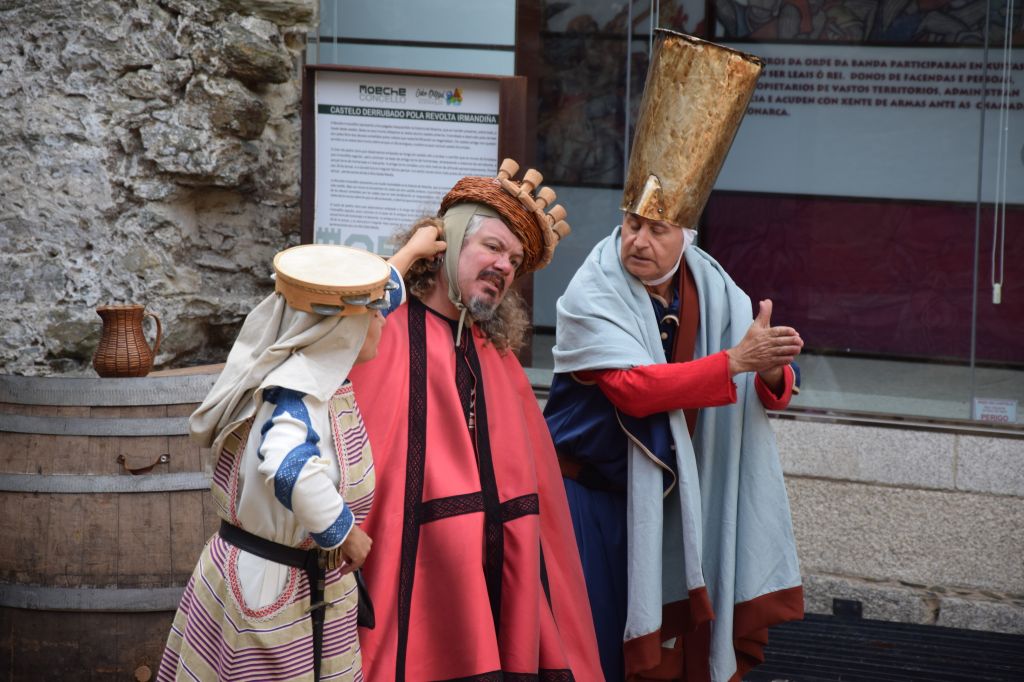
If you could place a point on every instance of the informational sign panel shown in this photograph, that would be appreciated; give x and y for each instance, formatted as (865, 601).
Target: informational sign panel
(880, 121)
(995, 410)
(388, 146)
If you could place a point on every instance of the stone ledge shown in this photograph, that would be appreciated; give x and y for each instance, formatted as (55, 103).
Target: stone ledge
(902, 603)
(879, 601)
(982, 614)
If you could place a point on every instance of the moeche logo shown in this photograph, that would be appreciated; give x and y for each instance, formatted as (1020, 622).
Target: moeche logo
(381, 93)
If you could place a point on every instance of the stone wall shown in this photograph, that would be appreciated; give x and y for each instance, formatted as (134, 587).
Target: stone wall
(150, 154)
(918, 526)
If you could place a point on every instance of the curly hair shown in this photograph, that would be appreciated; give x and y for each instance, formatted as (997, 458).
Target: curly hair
(507, 329)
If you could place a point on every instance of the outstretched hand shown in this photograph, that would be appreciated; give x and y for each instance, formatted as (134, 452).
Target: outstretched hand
(765, 348)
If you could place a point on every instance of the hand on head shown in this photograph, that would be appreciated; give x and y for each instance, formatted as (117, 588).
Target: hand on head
(764, 347)
(425, 243)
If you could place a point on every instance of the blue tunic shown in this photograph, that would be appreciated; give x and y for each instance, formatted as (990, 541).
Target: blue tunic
(585, 427)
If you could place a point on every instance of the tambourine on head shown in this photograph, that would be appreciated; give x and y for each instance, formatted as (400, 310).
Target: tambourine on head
(331, 280)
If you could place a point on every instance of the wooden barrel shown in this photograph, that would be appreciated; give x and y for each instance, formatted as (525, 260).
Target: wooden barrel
(105, 505)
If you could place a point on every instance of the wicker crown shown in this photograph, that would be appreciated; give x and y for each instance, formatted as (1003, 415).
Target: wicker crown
(526, 213)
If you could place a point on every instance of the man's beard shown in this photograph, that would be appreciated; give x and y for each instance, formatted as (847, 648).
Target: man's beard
(482, 309)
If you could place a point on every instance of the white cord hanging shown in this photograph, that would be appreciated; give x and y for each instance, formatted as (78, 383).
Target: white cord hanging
(629, 74)
(650, 33)
(1002, 158)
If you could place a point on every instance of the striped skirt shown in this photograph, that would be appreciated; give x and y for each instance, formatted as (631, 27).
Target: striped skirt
(214, 637)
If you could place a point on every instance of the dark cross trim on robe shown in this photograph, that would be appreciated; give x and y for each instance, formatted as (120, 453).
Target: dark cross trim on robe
(472, 395)
(416, 450)
(542, 675)
(417, 511)
(472, 503)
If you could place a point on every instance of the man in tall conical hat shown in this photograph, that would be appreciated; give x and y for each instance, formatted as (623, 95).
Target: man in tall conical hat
(474, 573)
(657, 405)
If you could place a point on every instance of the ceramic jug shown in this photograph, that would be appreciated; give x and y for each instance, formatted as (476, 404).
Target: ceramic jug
(123, 351)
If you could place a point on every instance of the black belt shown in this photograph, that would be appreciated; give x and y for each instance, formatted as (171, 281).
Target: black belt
(314, 563)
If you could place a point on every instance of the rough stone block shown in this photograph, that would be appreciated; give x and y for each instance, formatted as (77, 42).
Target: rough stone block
(997, 615)
(227, 105)
(161, 81)
(276, 10)
(103, 113)
(879, 601)
(864, 453)
(920, 537)
(894, 602)
(249, 57)
(990, 465)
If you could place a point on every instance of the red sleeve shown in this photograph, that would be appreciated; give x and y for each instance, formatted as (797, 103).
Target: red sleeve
(768, 397)
(649, 389)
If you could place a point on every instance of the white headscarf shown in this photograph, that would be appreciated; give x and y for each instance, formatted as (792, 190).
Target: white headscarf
(278, 346)
(456, 221)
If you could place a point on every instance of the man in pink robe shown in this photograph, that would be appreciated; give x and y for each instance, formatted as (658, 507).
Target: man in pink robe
(474, 573)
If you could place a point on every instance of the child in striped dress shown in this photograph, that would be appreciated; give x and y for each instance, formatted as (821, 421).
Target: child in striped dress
(273, 596)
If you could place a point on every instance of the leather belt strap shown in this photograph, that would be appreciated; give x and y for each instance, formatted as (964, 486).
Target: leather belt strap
(686, 332)
(587, 475)
(312, 561)
(570, 468)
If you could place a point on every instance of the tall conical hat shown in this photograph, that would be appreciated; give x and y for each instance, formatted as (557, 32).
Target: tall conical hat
(694, 99)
